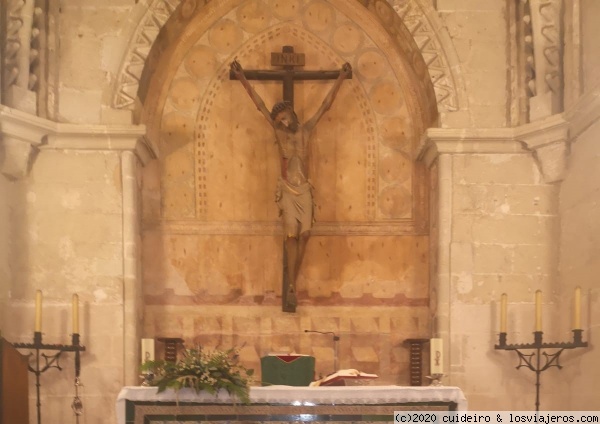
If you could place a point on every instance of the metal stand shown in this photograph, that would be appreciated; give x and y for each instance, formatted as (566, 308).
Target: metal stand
(52, 361)
(533, 361)
(336, 340)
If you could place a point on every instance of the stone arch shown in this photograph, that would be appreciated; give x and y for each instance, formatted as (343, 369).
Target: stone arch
(213, 235)
(432, 37)
(421, 20)
(173, 92)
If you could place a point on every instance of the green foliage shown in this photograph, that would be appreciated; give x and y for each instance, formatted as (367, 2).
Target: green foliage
(203, 371)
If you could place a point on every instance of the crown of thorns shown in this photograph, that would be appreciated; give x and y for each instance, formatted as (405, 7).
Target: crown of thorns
(280, 107)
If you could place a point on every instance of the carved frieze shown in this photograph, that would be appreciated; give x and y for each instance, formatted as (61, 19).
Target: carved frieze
(411, 12)
(129, 75)
(427, 34)
(540, 41)
(24, 23)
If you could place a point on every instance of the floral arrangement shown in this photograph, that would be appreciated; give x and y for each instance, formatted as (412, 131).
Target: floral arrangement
(202, 370)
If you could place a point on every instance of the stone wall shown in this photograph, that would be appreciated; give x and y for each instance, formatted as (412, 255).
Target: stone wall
(92, 37)
(494, 232)
(590, 58)
(579, 266)
(495, 227)
(479, 37)
(579, 207)
(504, 224)
(70, 241)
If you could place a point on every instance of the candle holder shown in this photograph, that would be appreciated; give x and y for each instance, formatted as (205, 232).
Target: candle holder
(147, 378)
(52, 361)
(533, 360)
(436, 379)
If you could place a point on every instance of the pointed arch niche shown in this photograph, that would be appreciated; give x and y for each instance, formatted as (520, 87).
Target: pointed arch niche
(211, 232)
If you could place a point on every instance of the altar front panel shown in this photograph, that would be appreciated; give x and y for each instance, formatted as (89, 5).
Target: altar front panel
(278, 404)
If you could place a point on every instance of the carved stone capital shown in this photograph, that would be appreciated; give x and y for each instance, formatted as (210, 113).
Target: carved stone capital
(548, 140)
(102, 137)
(438, 141)
(20, 135)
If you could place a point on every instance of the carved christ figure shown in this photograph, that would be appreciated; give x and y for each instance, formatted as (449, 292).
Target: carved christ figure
(294, 196)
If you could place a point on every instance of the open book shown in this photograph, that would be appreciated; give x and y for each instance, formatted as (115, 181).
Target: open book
(349, 377)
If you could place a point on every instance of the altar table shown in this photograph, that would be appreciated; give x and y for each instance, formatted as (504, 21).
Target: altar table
(278, 404)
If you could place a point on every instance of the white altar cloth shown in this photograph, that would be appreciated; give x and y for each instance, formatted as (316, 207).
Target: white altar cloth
(302, 395)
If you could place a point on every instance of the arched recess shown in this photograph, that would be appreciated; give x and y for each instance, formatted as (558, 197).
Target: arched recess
(212, 235)
(419, 16)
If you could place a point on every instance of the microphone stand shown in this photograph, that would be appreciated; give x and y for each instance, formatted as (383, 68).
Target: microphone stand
(336, 339)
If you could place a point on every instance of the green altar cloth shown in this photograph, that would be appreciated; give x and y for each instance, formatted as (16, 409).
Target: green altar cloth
(288, 370)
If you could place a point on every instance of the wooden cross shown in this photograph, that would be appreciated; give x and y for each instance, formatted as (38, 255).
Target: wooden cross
(288, 60)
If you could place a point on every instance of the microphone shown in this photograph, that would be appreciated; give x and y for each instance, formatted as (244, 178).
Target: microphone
(336, 339)
(335, 336)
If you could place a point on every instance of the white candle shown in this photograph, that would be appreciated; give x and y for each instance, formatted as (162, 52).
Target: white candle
(503, 300)
(38, 311)
(577, 310)
(147, 350)
(75, 306)
(538, 310)
(436, 356)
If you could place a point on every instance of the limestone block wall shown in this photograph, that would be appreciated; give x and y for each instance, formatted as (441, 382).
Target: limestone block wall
(498, 225)
(478, 30)
(579, 265)
(92, 37)
(590, 48)
(67, 237)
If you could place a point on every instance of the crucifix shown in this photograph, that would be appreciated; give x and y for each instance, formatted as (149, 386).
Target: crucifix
(288, 59)
(294, 191)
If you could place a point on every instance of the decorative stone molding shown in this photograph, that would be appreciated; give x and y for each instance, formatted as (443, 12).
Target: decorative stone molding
(546, 86)
(22, 134)
(437, 49)
(101, 137)
(275, 228)
(427, 33)
(437, 141)
(128, 79)
(546, 139)
(25, 28)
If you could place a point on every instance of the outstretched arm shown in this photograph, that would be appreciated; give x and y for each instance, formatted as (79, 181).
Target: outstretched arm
(345, 72)
(237, 70)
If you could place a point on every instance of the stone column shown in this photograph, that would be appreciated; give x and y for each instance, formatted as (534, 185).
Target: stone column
(132, 290)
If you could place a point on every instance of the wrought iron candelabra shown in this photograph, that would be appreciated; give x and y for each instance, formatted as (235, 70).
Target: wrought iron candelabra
(52, 361)
(533, 360)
